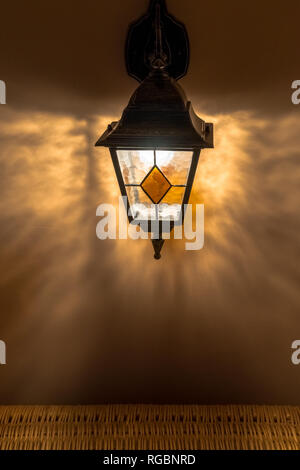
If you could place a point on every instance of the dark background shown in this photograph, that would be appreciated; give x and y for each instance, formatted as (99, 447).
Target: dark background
(242, 53)
(90, 321)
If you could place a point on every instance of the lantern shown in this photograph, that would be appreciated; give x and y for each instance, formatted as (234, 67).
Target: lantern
(155, 147)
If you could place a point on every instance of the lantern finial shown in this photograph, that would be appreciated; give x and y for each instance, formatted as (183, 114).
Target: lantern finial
(157, 245)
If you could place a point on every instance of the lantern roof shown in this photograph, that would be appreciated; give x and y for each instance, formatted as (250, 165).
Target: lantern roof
(158, 116)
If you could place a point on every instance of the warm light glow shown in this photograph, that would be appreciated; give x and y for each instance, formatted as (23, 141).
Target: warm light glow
(164, 157)
(146, 157)
(52, 182)
(56, 176)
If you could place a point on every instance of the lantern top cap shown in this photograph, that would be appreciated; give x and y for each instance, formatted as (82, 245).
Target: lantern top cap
(158, 115)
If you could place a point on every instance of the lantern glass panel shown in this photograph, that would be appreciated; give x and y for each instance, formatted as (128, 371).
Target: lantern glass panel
(170, 206)
(135, 164)
(175, 165)
(140, 205)
(155, 182)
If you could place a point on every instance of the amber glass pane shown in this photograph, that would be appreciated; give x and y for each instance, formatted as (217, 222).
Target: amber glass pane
(170, 206)
(174, 196)
(142, 208)
(175, 165)
(135, 164)
(156, 185)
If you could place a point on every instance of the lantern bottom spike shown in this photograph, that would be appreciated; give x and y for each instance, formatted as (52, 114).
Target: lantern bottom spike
(157, 245)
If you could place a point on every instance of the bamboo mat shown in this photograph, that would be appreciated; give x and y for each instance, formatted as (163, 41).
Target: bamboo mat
(146, 427)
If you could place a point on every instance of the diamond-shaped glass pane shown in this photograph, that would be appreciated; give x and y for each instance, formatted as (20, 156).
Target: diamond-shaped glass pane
(156, 185)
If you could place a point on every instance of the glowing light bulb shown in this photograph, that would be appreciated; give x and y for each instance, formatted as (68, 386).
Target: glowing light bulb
(146, 157)
(163, 157)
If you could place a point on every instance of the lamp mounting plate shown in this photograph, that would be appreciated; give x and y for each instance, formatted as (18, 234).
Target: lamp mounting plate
(157, 33)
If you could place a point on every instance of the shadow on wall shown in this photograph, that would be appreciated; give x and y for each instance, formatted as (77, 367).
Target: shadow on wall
(99, 321)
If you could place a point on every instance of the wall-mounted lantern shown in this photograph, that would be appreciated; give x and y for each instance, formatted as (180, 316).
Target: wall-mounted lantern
(155, 147)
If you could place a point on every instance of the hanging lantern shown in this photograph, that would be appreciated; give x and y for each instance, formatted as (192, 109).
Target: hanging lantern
(155, 147)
